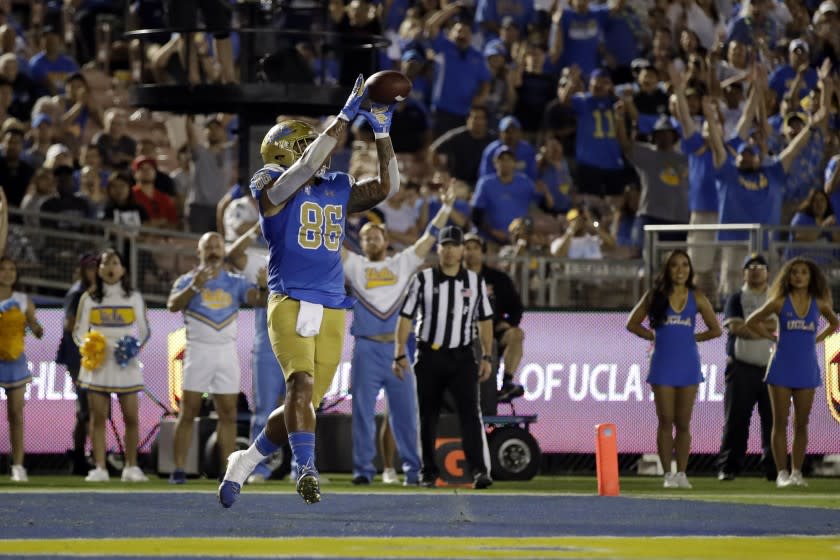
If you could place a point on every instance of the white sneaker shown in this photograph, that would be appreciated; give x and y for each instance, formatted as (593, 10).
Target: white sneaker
(133, 474)
(239, 467)
(389, 476)
(783, 479)
(796, 479)
(97, 475)
(256, 478)
(19, 474)
(682, 481)
(670, 481)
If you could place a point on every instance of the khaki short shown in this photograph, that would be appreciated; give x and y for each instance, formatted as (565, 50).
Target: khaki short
(317, 355)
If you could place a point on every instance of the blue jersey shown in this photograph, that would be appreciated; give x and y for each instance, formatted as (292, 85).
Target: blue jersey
(582, 34)
(504, 202)
(794, 363)
(753, 197)
(526, 158)
(702, 193)
(305, 238)
(596, 144)
(676, 360)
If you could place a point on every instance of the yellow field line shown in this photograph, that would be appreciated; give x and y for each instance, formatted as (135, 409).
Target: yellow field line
(619, 548)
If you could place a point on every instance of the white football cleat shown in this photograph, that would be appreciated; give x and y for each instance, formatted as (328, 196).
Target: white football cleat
(669, 481)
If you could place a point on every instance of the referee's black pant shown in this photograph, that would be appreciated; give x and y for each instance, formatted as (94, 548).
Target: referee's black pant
(456, 370)
(745, 387)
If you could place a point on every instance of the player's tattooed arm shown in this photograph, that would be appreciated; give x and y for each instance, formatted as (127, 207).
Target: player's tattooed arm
(369, 192)
(337, 128)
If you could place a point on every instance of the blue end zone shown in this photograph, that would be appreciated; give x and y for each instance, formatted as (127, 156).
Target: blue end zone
(185, 514)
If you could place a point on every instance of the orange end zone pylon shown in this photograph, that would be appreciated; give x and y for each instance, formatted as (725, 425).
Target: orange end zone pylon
(606, 459)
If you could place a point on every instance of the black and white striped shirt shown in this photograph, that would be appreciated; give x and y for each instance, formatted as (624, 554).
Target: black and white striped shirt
(449, 306)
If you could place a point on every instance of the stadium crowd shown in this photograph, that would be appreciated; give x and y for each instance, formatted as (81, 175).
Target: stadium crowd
(566, 128)
(561, 129)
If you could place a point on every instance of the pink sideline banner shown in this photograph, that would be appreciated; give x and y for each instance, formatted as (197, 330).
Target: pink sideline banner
(579, 370)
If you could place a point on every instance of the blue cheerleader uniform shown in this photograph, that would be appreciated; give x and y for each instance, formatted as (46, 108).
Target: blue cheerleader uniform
(794, 363)
(676, 361)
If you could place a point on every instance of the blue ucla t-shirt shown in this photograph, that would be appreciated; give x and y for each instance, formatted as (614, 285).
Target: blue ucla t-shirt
(596, 143)
(504, 202)
(305, 238)
(57, 70)
(783, 76)
(702, 192)
(458, 76)
(749, 198)
(526, 159)
(558, 180)
(582, 35)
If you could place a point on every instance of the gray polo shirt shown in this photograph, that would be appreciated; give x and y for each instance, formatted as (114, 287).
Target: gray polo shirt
(664, 181)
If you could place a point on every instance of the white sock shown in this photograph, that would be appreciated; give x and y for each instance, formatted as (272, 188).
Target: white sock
(253, 455)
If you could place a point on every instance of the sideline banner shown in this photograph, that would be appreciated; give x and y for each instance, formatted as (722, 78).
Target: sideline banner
(578, 369)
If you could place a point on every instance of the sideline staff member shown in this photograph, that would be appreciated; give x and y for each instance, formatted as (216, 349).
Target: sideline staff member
(450, 299)
(748, 355)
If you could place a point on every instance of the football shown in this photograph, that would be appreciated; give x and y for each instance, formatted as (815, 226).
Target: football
(388, 86)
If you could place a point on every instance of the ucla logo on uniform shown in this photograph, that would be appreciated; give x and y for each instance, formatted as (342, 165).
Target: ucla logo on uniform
(216, 299)
(377, 278)
(112, 316)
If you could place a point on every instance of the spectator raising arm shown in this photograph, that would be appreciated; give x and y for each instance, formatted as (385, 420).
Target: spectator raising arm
(423, 245)
(826, 85)
(682, 112)
(621, 129)
(556, 37)
(573, 85)
(748, 116)
(715, 133)
(437, 20)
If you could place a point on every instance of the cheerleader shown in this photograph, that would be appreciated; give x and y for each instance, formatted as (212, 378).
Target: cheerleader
(799, 295)
(671, 306)
(107, 314)
(16, 313)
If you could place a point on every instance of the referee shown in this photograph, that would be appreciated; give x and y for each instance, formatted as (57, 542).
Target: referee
(450, 299)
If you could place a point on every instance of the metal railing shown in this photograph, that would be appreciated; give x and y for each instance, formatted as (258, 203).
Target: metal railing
(773, 242)
(47, 259)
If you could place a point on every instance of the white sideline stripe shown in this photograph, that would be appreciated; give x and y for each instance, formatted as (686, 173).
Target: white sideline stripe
(436, 492)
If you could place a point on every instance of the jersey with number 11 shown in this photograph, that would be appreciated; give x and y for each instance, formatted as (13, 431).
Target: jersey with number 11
(305, 238)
